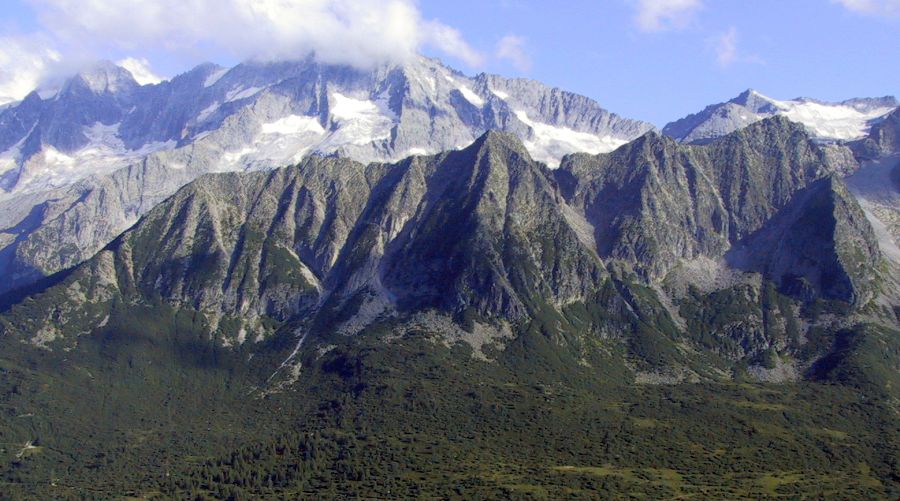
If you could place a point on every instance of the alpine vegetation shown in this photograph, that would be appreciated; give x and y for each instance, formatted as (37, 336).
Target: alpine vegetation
(344, 270)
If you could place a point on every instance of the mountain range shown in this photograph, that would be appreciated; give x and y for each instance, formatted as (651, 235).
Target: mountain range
(845, 121)
(85, 161)
(290, 279)
(102, 149)
(487, 231)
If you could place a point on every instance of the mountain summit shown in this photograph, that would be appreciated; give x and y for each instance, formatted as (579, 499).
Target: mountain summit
(845, 121)
(268, 114)
(102, 151)
(474, 322)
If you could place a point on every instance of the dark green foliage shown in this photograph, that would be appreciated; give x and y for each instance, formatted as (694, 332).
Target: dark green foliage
(136, 376)
(149, 408)
(864, 356)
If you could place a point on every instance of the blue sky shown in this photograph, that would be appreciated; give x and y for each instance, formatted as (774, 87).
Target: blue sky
(655, 60)
(784, 48)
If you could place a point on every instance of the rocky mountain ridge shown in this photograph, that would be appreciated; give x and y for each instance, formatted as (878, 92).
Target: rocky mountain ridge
(848, 120)
(484, 244)
(113, 149)
(84, 163)
(267, 114)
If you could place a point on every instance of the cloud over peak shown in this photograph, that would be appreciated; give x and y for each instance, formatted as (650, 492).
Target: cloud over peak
(663, 15)
(890, 8)
(512, 48)
(361, 33)
(24, 60)
(140, 70)
(356, 32)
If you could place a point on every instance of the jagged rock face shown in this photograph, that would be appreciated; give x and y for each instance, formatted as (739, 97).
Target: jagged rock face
(819, 244)
(883, 140)
(886, 134)
(140, 144)
(758, 170)
(646, 203)
(719, 120)
(268, 115)
(488, 231)
(845, 121)
(72, 224)
(247, 245)
(99, 95)
(480, 228)
(654, 201)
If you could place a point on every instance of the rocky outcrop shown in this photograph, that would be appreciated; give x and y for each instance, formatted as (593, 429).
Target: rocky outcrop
(486, 244)
(482, 228)
(129, 147)
(818, 245)
(654, 202)
(844, 121)
(883, 139)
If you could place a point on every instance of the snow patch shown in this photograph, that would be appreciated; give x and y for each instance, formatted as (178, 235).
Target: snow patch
(293, 124)
(51, 168)
(232, 159)
(209, 110)
(831, 121)
(347, 108)
(214, 77)
(239, 93)
(499, 93)
(153, 148)
(549, 143)
(361, 121)
(471, 96)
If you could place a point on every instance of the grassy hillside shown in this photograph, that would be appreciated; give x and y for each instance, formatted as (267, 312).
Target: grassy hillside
(150, 409)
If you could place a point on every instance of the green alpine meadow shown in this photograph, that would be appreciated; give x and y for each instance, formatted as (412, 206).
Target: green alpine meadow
(664, 320)
(401, 249)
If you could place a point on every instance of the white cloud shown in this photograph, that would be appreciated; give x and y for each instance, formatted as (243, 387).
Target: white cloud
(140, 70)
(360, 33)
(24, 60)
(726, 48)
(662, 15)
(512, 49)
(356, 32)
(727, 51)
(872, 7)
(451, 42)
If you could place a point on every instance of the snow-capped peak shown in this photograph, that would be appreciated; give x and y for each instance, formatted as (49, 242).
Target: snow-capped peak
(834, 121)
(844, 121)
(106, 77)
(261, 114)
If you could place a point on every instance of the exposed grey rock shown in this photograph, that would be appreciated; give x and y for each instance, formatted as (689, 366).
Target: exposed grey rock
(655, 202)
(478, 229)
(876, 185)
(153, 139)
(844, 121)
(883, 139)
(483, 244)
(819, 242)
